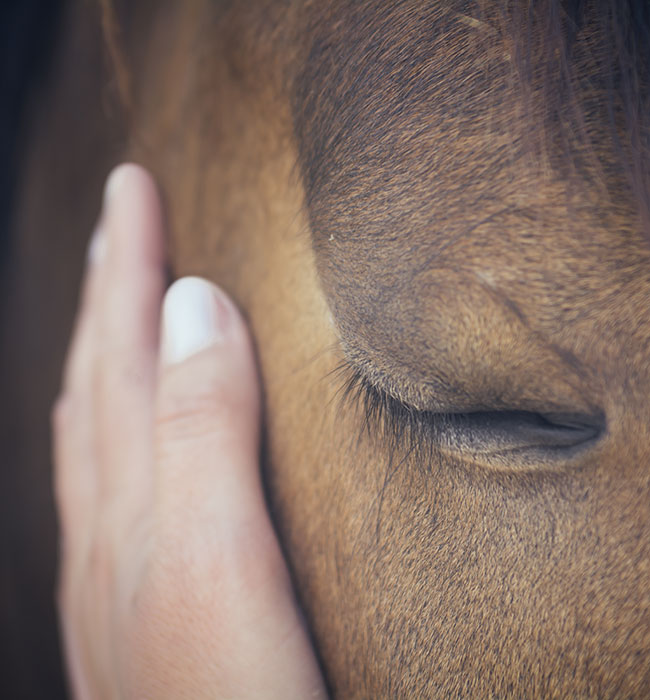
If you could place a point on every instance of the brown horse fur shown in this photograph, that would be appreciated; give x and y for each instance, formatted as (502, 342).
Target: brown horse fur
(435, 217)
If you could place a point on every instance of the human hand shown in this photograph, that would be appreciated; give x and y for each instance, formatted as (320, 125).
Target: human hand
(172, 582)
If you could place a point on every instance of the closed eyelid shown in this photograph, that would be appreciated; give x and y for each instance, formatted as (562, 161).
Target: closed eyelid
(511, 439)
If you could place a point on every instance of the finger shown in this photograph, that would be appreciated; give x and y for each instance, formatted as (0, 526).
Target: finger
(131, 285)
(77, 374)
(72, 415)
(74, 474)
(208, 392)
(74, 459)
(216, 540)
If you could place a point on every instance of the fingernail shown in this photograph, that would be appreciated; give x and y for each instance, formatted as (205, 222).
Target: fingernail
(98, 241)
(195, 316)
(97, 245)
(113, 183)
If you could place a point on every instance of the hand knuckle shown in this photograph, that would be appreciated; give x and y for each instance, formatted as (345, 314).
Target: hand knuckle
(186, 417)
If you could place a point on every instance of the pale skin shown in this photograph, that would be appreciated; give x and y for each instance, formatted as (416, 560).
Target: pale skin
(172, 581)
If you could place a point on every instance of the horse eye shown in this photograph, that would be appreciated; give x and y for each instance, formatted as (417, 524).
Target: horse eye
(519, 437)
(512, 440)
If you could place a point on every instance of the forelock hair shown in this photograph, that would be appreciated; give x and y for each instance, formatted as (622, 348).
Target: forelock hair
(579, 74)
(588, 59)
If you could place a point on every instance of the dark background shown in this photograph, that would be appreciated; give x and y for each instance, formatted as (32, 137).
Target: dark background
(30, 665)
(28, 32)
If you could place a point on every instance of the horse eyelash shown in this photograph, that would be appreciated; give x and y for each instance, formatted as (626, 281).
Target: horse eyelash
(396, 426)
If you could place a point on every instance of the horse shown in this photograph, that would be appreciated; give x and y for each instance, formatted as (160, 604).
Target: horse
(435, 218)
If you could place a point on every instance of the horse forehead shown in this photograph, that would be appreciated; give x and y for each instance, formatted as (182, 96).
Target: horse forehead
(544, 283)
(553, 269)
(420, 188)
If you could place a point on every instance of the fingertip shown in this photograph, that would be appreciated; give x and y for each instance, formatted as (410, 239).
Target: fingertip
(126, 175)
(132, 217)
(207, 398)
(208, 383)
